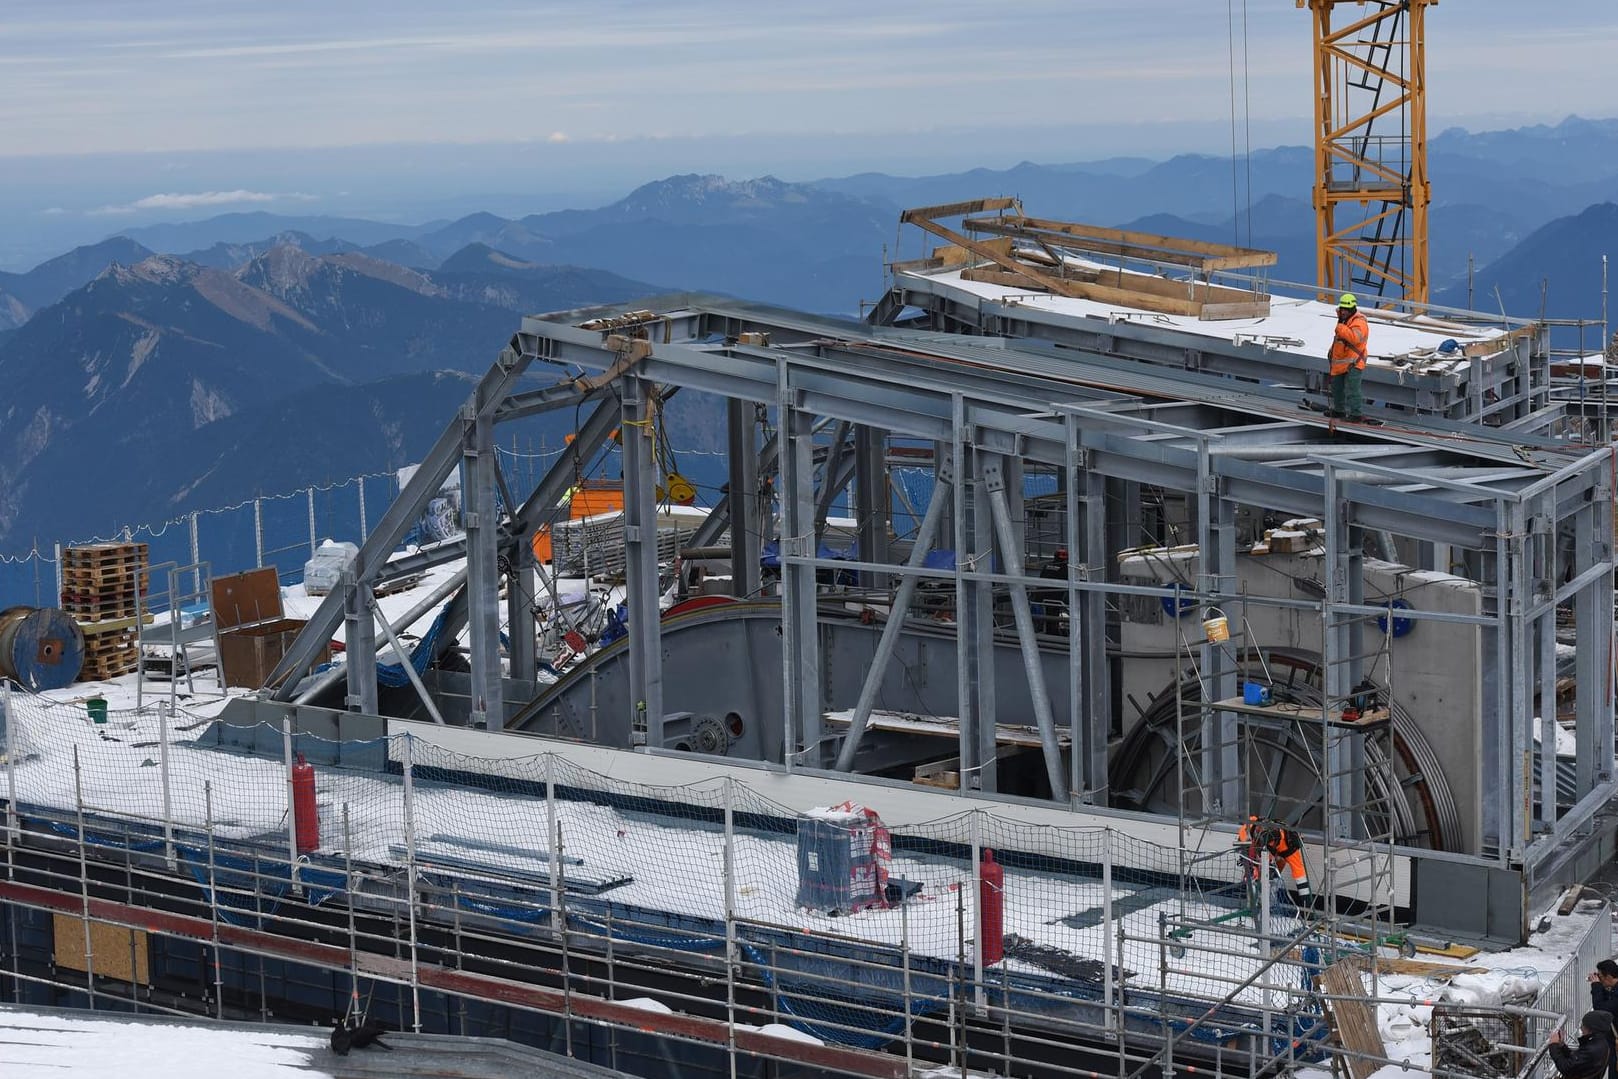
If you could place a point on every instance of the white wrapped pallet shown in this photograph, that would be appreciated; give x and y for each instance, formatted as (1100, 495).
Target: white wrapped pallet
(322, 572)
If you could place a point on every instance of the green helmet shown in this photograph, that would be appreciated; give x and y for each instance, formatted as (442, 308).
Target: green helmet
(1348, 301)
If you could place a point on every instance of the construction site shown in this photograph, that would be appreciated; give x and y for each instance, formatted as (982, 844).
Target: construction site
(1059, 687)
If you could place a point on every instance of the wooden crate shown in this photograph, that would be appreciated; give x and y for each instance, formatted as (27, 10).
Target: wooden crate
(247, 654)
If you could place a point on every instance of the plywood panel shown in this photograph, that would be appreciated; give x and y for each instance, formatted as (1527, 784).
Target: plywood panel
(110, 949)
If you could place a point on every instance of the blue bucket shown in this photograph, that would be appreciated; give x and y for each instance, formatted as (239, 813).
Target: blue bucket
(1255, 693)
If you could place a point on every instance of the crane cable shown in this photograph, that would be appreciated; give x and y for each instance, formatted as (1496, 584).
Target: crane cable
(1241, 149)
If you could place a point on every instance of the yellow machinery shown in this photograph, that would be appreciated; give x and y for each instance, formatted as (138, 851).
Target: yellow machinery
(1371, 187)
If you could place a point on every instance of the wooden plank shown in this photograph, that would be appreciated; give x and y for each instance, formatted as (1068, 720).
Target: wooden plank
(115, 952)
(1152, 239)
(1448, 951)
(1215, 312)
(955, 209)
(1125, 244)
(1422, 968)
(1570, 900)
(92, 629)
(1353, 1018)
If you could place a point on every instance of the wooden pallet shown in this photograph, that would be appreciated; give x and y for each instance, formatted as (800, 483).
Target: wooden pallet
(107, 667)
(107, 655)
(102, 582)
(108, 611)
(100, 554)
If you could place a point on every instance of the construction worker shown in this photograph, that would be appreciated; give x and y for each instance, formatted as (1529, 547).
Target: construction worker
(1257, 836)
(1587, 1059)
(1349, 348)
(1604, 998)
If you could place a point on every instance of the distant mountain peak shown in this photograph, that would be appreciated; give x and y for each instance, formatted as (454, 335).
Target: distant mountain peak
(156, 269)
(693, 189)
(383, 270)
(286, 270)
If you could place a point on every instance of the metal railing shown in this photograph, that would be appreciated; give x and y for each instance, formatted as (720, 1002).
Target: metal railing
(384, 900)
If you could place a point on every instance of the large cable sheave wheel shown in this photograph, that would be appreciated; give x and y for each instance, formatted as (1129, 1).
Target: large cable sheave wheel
(1281, 762)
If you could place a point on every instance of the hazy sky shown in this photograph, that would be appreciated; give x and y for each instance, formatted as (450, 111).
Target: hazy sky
(81, 76)
(385, 107)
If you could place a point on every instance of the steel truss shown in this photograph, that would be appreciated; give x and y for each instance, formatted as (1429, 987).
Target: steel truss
(1109, 412)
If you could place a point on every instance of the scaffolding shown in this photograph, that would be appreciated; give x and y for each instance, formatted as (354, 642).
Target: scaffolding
(1227, 776)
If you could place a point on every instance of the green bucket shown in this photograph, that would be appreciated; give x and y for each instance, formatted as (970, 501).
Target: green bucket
(97, 707)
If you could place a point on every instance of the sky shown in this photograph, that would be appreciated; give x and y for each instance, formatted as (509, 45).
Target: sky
(117, 111)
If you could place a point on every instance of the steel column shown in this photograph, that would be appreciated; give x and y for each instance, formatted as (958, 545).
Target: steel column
(979, 626)
(1593, 611)
(800, 645)
(1336, 653)
(1216, 540)
(1088, 561)
(742, 498)
(359, 644)
(872, 503)
(521, 591)
(480, 516)
(639, 412)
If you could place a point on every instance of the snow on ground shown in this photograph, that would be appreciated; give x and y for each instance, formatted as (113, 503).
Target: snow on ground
(36, 1045)
(677, 869)
(674, 868)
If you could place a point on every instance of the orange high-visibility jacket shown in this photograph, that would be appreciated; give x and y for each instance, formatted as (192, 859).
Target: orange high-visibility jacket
(1349, 344)
(1283, 846)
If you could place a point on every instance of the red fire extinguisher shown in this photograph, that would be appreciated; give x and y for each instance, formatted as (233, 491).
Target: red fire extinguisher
(991, 909)
(305, 815)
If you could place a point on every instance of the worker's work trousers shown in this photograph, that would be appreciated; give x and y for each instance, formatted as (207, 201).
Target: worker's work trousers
(1347, 399)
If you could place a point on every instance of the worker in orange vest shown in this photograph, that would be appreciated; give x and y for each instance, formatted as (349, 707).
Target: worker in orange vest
(1257, 836)
(1349, 348)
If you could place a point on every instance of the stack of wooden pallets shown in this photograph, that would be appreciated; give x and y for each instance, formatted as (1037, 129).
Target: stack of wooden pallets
(101, 587)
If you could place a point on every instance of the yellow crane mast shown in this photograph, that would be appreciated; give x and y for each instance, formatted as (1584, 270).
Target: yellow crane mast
(1371, 188)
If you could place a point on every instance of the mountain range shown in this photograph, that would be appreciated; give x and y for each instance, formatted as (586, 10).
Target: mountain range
(138, 390)
(138, 367)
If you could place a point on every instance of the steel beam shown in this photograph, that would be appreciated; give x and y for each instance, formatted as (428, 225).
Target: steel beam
(401, 516)
(897, 613)
(1012, 553)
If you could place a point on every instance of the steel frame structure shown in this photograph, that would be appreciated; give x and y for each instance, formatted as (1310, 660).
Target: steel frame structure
(1108, 420)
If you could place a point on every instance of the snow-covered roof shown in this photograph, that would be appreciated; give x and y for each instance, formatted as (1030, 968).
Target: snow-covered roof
(1294, 325)
(49, 1045)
